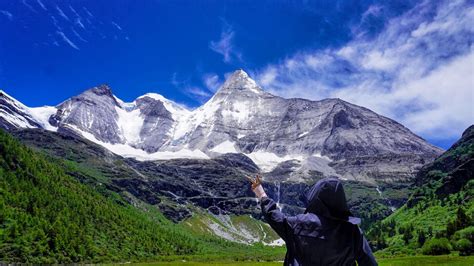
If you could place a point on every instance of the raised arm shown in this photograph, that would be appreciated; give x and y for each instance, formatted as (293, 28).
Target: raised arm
(275, 218)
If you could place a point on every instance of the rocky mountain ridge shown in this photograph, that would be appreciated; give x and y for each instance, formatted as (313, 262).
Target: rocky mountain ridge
(291, 138)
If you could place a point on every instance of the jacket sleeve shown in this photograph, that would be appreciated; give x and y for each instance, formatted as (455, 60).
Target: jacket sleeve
(364, 256)
(274, 217)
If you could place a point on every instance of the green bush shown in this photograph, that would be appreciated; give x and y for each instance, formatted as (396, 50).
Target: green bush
(436, 246)
(465, 247)
(467, 233)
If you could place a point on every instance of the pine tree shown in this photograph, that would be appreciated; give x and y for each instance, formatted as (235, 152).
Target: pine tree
(421, 238)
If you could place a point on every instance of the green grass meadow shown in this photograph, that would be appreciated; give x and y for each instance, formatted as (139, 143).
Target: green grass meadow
(402, 261)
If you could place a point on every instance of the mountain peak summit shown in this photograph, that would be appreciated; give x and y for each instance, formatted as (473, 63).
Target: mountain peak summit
(102, 89)
(240, 80)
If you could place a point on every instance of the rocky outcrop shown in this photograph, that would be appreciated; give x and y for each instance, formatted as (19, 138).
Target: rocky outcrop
(293, 139)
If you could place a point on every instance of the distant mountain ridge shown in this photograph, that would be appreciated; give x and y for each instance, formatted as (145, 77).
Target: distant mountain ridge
(274, 132)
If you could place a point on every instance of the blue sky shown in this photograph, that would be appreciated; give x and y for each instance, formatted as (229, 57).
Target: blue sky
(409, 60)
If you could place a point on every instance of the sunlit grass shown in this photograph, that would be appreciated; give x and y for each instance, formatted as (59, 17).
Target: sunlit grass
(402, 261)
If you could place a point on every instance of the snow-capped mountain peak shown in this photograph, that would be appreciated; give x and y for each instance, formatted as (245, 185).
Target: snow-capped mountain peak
(177, 110)
(14, 114)
(240, 80)
(240, 117)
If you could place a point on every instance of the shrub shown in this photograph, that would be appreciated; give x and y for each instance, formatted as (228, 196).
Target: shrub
(465, 247)
(467, 233)
(436, 246)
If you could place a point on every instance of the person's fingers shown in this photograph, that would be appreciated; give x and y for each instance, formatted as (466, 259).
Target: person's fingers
(250, 179)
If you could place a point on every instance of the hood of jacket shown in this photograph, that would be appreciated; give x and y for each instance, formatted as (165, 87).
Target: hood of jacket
(327, 198)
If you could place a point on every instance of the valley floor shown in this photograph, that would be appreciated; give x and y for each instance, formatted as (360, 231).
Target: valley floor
(402, 261)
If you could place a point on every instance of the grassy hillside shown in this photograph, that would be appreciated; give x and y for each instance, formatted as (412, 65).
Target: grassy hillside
(439, 216)
(47, 216)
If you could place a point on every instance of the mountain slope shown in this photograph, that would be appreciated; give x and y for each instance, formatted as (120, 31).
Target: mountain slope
(442, 204)
(14, 114)
(49, 217)
(290, 138)
(184, 188)
(256, 121)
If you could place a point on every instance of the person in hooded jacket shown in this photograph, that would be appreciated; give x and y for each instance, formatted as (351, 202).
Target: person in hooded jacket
(326, 234)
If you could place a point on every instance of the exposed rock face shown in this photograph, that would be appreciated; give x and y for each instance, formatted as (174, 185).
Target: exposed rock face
(143, 124)
(157, 124)
(293, 139)
(242, 113)
(14, 115)
(216, 185)
(93, 112)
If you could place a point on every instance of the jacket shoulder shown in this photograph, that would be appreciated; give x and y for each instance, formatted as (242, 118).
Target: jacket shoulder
(307, 224)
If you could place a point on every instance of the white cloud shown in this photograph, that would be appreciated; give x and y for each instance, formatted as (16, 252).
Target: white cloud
(78, 35)
(41, 5)
(67, 40)
(198, 93)
(87, 12)
(79, 23)
(419, 70)
(28, 6)
(74, 11)
(194, 92)
(225, 46)
(212, 81)
(116, 25)
(61, 13)
(7, 14)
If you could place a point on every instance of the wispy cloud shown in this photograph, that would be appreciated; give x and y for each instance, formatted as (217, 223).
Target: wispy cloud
(74, 11)
(194, 92)
(55, 22)
(78, 35)
(7, 14)
(61, 13)
(67, 40)
(212, 81)
(199, 93)
(418, 70)
(88, 12)
(25, 3)
(78, 22)
(225, 45)
(41, 5)
(116, 25)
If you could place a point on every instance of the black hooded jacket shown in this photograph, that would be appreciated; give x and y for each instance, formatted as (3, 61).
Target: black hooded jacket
(326, 234)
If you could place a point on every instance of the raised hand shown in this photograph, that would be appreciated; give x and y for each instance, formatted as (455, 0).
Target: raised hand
(255, 181)
(257, 187)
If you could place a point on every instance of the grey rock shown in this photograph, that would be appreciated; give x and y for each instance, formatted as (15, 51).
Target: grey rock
(13, 114)
(158, 122)
(93, 112)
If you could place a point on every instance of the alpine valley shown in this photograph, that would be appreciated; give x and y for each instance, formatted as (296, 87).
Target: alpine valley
(191, 165)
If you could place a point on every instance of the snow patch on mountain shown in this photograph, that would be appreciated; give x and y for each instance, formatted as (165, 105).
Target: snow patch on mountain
(131, 123)
(191, 121)
(267, 161)
(19, 115)
(15, 120)
(240, 117)
(225, 147)
(177, 111)
(128, 151)
(42, 115)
